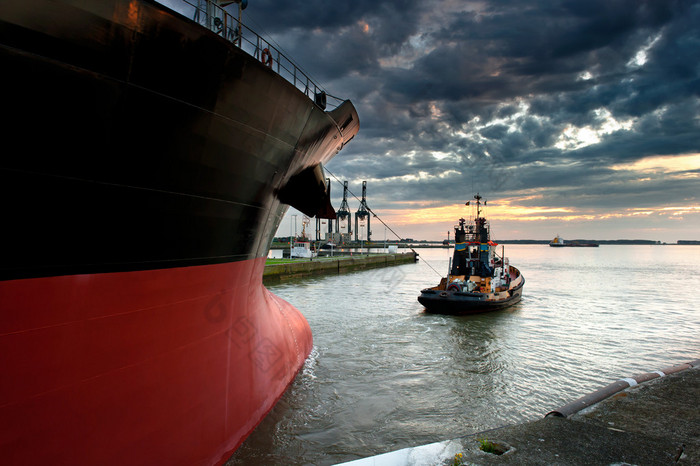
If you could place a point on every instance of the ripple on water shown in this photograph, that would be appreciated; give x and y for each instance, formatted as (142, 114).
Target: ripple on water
(384, 375)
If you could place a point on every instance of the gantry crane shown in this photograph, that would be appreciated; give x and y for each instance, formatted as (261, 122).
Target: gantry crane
(344, 212)
(363, 212)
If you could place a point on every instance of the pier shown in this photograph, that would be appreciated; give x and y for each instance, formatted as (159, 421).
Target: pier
(276, 272)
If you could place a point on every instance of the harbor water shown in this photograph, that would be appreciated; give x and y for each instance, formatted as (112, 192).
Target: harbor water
(384, 375)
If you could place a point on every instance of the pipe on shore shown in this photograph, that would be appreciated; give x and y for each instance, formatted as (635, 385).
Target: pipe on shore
(616, 387)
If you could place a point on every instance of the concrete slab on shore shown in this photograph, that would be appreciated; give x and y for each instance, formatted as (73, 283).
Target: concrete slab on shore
(649, 423)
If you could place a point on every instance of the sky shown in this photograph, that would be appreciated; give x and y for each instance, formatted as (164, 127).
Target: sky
(576, 118)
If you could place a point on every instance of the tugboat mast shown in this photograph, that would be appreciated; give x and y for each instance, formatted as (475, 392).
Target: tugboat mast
(478, 204)
(481, 234)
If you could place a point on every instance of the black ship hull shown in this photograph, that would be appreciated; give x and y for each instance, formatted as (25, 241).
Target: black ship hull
(147, 163)
(144, 141)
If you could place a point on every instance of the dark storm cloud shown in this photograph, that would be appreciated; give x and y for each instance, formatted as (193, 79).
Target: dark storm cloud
(510, 96)
(329, 38)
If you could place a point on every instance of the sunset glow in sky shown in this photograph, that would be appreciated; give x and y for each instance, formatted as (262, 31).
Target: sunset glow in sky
(574, 118)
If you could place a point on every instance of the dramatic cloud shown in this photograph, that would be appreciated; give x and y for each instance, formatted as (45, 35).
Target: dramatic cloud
(568, 116)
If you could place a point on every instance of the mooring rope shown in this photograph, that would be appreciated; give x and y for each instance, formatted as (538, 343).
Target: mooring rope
(380, 220)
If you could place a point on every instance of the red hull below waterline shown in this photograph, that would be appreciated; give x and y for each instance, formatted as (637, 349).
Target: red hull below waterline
(169, 366)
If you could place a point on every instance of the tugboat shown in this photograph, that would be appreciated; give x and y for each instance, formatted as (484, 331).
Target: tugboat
(479, 280)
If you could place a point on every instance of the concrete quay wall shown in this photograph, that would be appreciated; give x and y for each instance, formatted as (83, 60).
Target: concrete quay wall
(333, 265)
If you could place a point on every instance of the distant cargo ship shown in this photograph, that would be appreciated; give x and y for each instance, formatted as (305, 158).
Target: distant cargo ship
(148, 159)
(558, 242)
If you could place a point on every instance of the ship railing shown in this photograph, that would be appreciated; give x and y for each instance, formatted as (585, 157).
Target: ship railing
(211, 15)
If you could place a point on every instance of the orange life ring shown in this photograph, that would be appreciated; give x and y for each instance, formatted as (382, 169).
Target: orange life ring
(266, 58)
